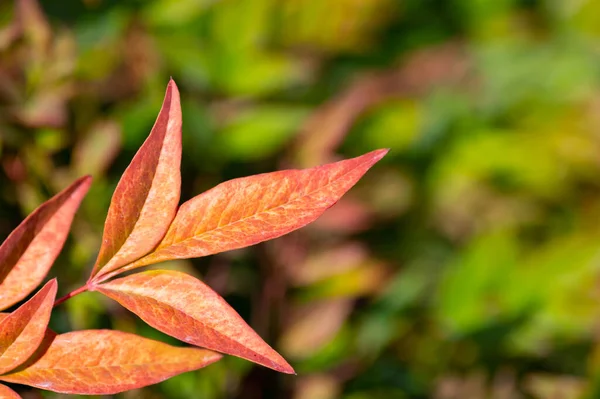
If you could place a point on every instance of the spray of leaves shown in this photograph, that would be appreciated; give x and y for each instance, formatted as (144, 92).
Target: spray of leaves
(144, 226)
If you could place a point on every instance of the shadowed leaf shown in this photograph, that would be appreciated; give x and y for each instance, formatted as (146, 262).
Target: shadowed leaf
(29, 251)
(146, 198)
(7, 393)
(186, 308)
(34, 24)
(313, 325)
(246, 211)
(94, 153)
(103, 362)
(22, 331)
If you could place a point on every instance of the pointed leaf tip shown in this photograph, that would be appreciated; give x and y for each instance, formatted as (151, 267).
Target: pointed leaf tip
(105, 362)
(249, 210)
(22, 331)
(30, 250)
(381, 153)
(146, 198)
(187, 309)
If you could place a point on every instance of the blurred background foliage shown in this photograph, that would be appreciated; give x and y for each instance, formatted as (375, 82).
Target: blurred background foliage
(465, 265)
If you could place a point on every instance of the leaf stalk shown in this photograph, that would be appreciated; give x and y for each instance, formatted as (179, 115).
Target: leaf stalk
(71, 295)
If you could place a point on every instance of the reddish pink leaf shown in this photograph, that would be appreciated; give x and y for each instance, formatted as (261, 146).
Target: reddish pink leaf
(22, 331)
(103, 362)
(186, 308)
(7, 393)
(246, 211)
(29, 251)
(146, 198)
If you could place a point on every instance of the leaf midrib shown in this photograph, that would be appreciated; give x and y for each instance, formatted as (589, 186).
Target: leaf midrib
(88, 367)
(182, 312)
(198, 237)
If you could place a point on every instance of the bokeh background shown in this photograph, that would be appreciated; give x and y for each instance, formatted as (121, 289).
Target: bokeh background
(466, 264)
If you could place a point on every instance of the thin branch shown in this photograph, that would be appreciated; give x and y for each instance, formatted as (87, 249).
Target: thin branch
(70, 295)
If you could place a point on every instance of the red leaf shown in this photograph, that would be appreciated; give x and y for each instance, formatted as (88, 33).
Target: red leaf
(146, 198)
(22, 331)
(29, 251)
(103, 362)
(7, 393)
(246, 211)
(186, 308)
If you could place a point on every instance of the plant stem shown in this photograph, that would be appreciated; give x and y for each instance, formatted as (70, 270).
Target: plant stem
(70, 295)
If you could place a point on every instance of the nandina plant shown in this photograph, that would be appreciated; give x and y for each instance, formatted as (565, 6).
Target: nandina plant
(145, 225)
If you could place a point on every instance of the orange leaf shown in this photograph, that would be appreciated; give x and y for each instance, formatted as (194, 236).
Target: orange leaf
(186, 308)
(29, 251)
(7, 393)
(146, 198)
(102, 362)
(22, 331)
(246, 211)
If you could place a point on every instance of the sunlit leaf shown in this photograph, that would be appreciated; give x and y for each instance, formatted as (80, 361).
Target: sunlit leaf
(246, 211)
(102, 362)
(29, 251)
(145, 200)
(7, 393)
(23, 330)
(186, 308)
